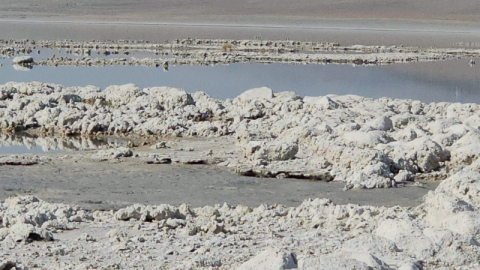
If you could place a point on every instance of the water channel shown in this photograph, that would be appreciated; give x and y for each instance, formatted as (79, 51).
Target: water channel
(449, 81)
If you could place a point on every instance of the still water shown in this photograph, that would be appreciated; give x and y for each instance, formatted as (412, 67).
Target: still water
(452, 80)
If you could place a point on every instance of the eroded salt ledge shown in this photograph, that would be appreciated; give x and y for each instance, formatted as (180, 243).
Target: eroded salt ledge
(364, 142)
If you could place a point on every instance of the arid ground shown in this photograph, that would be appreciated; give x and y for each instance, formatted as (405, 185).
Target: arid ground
(232, 10)
(379, 160)
(368, 22)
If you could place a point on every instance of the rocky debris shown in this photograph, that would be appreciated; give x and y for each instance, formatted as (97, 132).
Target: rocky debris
(219, 51)
(317, 234)
(270, 151)
(19, 161)
(271, 259)
(86, 237)
(338, 262)
(160, 145)
(114, 153)
(279, 46)
(27, 219)
(192, 161)
(156, 159)
(255, 94)
(319, 175)
(366, 143)
(28, 233)
(7, 265)
(23, 60)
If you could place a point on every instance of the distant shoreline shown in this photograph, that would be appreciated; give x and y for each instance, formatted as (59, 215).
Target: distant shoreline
(320, 26)
(345, 32)
(242, 11)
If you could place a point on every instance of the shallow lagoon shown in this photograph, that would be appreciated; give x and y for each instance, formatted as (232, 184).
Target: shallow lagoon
(451, 81)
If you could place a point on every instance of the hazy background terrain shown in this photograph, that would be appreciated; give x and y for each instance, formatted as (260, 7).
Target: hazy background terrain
(439, 23)
(222, 10)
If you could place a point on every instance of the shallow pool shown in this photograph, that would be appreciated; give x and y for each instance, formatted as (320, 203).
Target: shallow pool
(452, 81)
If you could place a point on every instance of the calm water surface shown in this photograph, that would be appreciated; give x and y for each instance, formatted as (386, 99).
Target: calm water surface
(452, 81)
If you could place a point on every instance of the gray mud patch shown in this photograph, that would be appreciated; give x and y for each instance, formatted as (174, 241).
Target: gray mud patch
(107, 185)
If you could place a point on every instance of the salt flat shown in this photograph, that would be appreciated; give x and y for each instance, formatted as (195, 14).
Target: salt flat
(368, 22)
(231, 10)
(388, 146)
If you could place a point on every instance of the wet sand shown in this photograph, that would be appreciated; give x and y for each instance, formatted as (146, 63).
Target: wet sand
(106, 185)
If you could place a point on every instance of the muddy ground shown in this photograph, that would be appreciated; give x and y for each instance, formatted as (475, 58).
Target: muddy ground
(111, 184)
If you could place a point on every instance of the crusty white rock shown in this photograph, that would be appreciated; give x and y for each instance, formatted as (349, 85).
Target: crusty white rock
(23, 60)
(366, 143)
(318, 234)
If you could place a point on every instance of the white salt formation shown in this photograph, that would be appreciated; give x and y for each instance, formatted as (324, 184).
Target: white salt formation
(367, 143)
(441, 233)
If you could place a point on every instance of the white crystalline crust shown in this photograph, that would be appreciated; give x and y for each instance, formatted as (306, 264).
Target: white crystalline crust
(441, 233)
(366, 143)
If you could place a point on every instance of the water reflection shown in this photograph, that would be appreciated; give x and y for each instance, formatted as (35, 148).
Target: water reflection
(22, 68)
(450, 81)
(45, 52)
(22, 144)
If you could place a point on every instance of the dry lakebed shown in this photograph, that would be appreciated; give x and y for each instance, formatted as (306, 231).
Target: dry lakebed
(121, 176)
